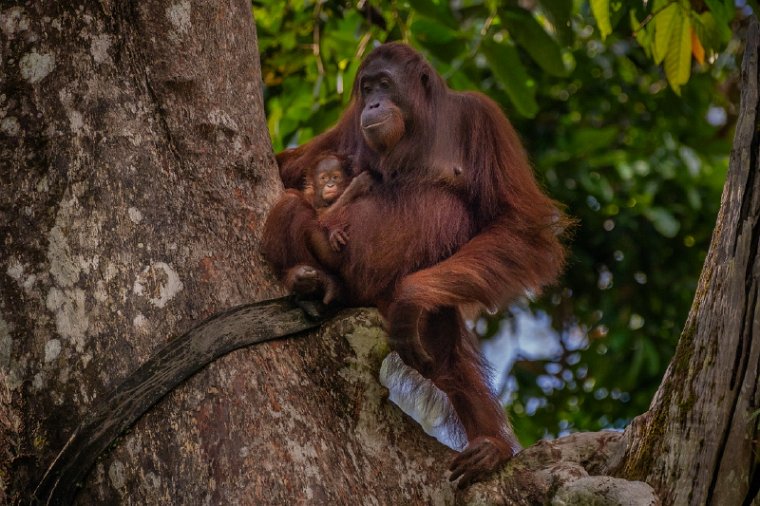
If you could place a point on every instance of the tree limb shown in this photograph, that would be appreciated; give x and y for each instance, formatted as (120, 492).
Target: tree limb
(174, 363)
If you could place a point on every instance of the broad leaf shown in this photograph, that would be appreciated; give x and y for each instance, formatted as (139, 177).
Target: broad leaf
(664, 22)
(530, 35)
(438, 11)
(707, 31)
(430, 31)
(512, 76)
(678, 58)
(559, 12)
(643, 34)
(722, 12)
(601, 11)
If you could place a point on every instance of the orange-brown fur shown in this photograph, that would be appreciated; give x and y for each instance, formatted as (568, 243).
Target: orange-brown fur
(456, 220)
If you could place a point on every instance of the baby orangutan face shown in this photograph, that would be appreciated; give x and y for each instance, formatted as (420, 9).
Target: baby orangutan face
(329, 180)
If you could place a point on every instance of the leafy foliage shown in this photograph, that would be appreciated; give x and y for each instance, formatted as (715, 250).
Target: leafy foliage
(592, 87)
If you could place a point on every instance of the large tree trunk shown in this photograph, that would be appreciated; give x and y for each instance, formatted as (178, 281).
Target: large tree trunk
(700, 441)
(135, 174)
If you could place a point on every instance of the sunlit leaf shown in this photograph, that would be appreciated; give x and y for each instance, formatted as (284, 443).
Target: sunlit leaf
(601, 11)
(273, 122)
(559, 12)
(643, 34)
(678, 58)
(664, 27)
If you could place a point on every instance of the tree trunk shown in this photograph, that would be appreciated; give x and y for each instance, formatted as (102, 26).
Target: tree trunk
(700, 441)
(136, 171)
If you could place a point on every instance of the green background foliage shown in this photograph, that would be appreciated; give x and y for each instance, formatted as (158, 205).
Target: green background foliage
(627, 111)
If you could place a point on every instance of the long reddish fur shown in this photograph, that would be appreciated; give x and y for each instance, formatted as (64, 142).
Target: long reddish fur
(418, 240)
(514, 246)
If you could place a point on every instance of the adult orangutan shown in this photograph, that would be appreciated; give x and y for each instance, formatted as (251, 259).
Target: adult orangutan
(453, 223)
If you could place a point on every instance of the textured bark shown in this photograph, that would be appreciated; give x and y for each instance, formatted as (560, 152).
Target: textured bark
(570, 471)
(700, 441)
(136, 171)
(174, 363)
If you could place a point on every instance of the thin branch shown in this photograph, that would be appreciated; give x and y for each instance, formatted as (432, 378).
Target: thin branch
(649, 17)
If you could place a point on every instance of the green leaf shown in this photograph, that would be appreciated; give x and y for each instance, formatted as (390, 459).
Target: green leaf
(720, 10)
(678, 58)
(273, 122)
(587, 140)
(430, 31)
(643, 34)
(348, 78)
(664, 222)
(663, 31)
(438, 11)
(559, 13)
(512, 76)
(530, 35)
(618, 8)
(720, 31)
(707, 31)
(601, 11)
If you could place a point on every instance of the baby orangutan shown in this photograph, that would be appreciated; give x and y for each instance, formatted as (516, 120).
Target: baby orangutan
(327, 182)
(329, 190)
(326, 192)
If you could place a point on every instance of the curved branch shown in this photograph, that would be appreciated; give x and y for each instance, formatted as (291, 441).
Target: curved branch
(174, 363)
